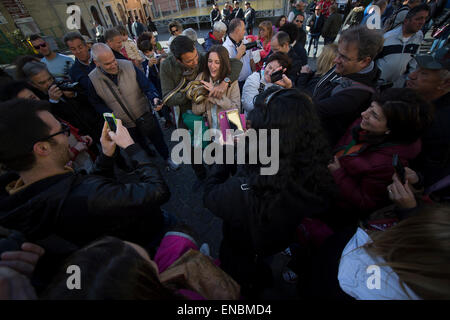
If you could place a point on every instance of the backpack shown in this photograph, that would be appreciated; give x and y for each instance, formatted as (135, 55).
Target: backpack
(390, 24)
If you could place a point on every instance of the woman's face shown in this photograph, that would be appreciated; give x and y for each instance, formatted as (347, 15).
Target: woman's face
(282, 21)
(214, 65)
(270, 68)
(153, 41)
(262, 32)
(373, 120)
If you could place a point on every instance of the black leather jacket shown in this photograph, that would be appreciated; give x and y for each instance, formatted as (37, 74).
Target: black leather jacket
(80, 208)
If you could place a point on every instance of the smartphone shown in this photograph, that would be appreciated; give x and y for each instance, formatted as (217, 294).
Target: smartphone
(234, 121)
(399, 169)
(276, 76)
(111, 120)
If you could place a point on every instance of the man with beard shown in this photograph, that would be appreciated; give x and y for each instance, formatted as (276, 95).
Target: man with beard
(184, 61)
(57, 64)
(346, 90)
(62, 210)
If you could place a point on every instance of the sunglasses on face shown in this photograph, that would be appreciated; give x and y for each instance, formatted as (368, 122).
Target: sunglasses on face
(42, 45)
(299, 21)
(172, 32)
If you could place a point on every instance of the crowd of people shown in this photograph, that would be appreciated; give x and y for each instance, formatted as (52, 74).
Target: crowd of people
(363, 145)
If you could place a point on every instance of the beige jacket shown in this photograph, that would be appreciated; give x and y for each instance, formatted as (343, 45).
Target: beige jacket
(230, 100)
(132, 50)
(128, 91)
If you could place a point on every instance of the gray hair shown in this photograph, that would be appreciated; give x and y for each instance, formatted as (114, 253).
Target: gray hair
(70, 36)
(32, 68)
(112, 33)
(191, 34)
(219, 26)
(98, 49)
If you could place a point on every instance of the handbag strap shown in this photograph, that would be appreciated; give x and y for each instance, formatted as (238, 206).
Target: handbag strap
(119, 100)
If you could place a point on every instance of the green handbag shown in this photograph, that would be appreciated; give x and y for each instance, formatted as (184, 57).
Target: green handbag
(196, 137)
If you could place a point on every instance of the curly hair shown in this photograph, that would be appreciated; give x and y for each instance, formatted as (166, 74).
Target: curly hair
(303, 151)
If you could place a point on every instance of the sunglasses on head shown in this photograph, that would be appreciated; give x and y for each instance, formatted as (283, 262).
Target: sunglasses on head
(43, 45)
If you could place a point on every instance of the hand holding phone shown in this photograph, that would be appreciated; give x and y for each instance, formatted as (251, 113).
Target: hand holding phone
(276, 76)
(111, 120)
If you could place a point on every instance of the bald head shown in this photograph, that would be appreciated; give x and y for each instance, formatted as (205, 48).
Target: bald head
(104, 58)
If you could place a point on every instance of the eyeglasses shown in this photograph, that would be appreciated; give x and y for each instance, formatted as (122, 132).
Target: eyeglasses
(344, 58)
(64, 129)
(42, 45)
(172, 32)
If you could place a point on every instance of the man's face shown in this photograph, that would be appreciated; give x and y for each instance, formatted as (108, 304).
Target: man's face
(424, 81)
(275, 46)
(42, 81)
(190, 59)
(219, 34)
(27, 94)
(317, 11)
(115, 43)
(175, 31)
(415, 23)
(60, 152)
(239, 32)
(42, 46)
(79, 49)
(108, 63)
(347, 61)
(299, 21)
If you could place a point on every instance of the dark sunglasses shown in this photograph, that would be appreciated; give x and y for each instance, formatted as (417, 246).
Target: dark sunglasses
(40, 46)
(299, 21)
(172, 32)
(64, 129)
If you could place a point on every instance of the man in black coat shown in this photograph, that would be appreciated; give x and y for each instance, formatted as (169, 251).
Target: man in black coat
(315, 24)
(250, 18)
(237, 12)
(346, 90)
(215, 15)
(62, 210)
(432, 81)
(281, 43)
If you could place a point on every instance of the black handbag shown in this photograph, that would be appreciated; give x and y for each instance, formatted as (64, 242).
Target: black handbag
(145, 123)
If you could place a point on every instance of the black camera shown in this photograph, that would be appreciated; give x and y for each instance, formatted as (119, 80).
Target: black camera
(65, 85)
(10, 240)
(251, 45)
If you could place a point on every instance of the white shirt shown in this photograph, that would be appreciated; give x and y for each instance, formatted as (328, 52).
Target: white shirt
(354, 276)
(232, 51)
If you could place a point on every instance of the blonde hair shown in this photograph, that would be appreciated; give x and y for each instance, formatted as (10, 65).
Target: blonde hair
(418, 250)
(325, 61)
(267, 25)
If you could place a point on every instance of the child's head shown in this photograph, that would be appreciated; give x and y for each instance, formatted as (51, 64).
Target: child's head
(146, 47)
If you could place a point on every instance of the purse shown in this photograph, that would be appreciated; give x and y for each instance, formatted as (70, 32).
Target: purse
(145, 123)
(189, 120)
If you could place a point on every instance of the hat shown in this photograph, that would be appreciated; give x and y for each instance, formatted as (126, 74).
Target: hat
(439, 60)
(246, 2)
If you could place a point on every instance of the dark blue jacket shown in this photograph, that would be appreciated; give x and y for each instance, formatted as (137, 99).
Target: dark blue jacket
(79, 72)
(152, 74)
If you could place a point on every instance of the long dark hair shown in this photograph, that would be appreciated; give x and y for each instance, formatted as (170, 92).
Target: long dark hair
(277, 23)
(111, 270)
(303, 151)
(225, 66)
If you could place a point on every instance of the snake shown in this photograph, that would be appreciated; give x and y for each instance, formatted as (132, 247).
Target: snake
(194, 90)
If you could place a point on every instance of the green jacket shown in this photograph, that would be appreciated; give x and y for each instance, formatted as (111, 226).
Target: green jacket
(171, 73)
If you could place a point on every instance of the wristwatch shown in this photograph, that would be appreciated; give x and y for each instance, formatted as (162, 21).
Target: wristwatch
(227, 80)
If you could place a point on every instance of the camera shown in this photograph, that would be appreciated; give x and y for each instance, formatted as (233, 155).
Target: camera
(10, 240)
(65, 85)
(251, 45)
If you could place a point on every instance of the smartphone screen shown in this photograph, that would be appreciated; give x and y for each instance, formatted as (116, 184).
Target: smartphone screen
(399, 169)
(234, 120)
(109, 118)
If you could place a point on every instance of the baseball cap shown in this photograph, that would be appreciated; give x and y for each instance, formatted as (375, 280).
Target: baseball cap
(439, 60)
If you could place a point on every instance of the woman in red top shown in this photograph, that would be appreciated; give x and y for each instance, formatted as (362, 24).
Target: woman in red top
(362, 166)
(265, 36)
